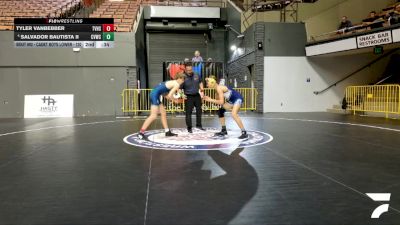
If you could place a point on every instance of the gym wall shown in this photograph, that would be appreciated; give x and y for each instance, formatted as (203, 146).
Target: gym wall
(289, 82)
(96, 77)
(280, 70)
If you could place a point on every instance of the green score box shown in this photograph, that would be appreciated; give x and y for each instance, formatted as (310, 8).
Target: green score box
(108, 36)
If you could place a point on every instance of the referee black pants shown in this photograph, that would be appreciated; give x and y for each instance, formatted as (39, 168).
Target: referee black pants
(193, 101)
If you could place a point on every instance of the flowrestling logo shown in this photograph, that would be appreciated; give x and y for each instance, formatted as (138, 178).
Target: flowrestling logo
(379, 197)
(198, 140)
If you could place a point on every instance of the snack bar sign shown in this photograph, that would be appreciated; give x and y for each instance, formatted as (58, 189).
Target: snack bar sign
(369, 40)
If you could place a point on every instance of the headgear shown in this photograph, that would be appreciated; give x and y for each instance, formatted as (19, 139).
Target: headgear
(211, 81)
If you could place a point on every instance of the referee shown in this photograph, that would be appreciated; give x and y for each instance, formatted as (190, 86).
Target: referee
(191, 87)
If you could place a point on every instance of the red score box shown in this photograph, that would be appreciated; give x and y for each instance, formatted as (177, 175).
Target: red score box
(108, 27)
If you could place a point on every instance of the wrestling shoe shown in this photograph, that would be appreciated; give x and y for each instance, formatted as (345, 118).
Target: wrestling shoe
(244, 135)
(142, 136)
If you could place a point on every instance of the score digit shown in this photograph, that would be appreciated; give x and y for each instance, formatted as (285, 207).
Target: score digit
(108, 27)
(108, 36)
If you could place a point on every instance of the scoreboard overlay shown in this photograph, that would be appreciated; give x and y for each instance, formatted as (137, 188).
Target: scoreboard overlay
(64, 33)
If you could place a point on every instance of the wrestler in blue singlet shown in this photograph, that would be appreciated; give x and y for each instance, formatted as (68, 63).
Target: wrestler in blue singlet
(233, 97)
(155, 94)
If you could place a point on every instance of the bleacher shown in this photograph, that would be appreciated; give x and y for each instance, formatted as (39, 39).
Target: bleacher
(34, 8)
(123, 12)
(186, 3)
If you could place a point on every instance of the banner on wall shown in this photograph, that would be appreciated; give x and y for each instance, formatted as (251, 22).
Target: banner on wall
(42, 106)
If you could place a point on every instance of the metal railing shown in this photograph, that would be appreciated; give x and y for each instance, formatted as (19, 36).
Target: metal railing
(348, 31)
(373, 98)
(138, 100)
(203, 69)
